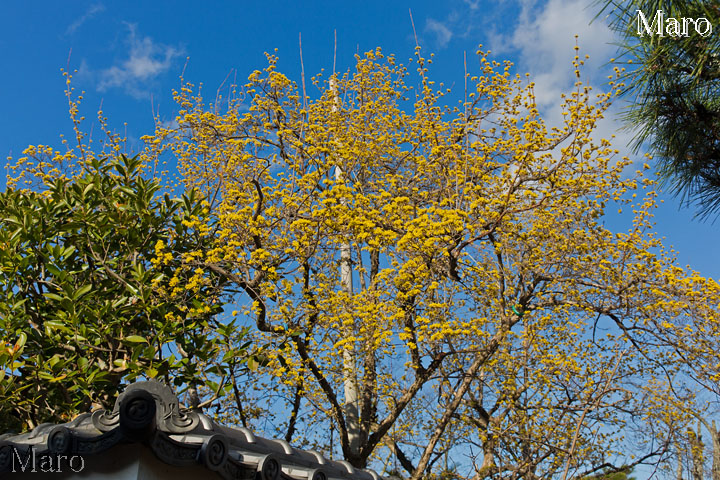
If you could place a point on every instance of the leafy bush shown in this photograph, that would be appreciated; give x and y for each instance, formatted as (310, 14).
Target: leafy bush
(98, 286)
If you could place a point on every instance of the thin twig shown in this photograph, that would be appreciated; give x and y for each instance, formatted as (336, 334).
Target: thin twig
(302, 72)
(417, 44)
(465, 104)
(217, 94)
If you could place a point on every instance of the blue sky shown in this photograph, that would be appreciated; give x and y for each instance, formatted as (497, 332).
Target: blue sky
(129, 56)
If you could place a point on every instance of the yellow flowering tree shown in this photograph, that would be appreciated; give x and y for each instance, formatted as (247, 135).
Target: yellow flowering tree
(492, 319)
(433, 285)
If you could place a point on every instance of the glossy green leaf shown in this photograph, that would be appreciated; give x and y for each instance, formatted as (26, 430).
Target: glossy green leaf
(135, 339)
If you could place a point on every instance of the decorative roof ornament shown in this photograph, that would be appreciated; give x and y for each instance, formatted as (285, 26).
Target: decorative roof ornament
(147, 416)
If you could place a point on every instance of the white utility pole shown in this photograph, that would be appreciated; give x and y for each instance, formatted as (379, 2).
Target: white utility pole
(352, 420)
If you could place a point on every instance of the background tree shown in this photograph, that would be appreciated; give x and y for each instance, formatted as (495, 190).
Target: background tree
(673, 85)
(673, 88)
(492, 318)
(97, 287)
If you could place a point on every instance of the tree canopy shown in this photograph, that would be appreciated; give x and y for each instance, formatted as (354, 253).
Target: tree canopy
(433, 286)
(434, 281)
(673, 85)
(97, 289)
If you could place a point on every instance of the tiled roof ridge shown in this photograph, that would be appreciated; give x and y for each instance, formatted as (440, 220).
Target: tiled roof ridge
(150, 414)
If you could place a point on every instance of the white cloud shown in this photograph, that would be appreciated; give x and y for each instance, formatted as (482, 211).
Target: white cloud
(442, 33)
(146, 61)
(92, 11)
(465, 20)
(544, 38)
